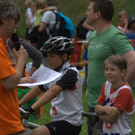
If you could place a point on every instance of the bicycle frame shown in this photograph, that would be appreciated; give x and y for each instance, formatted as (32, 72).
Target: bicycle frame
(28, 125)
(95, 129)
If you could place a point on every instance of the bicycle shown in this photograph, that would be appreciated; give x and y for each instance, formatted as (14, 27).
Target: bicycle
(96, 128)
(24, 119)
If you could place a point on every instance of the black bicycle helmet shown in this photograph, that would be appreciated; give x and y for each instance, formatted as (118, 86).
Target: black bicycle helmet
(131, 20)
(58, 44)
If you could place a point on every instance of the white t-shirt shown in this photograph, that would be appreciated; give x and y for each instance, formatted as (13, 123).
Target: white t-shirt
(28, 11)
(49, 18)
(32, 20)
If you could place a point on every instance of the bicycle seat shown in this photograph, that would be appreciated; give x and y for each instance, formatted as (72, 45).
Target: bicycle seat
(90, 115)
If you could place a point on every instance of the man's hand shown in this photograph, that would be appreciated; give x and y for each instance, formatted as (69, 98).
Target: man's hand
(21, 54)
(26, 80)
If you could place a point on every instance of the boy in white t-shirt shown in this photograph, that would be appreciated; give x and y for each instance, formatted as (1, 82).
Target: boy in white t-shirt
(64, 92)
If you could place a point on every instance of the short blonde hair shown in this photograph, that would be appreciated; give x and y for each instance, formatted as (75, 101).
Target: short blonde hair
(39, 4)
(121, 13)
(28, 3)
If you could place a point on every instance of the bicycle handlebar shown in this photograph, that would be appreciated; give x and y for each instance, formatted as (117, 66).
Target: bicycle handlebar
(26, 113)
(90, 115)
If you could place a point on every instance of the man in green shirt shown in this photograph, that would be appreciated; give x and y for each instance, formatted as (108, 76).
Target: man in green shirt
(103, 42)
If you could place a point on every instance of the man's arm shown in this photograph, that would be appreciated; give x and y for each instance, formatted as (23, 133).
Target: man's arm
(42, 27)
(130, 58)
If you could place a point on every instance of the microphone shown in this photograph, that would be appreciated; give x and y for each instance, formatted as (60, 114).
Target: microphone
(15, 40)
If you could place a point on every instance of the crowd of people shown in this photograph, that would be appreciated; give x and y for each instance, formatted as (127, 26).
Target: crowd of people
(105, 51)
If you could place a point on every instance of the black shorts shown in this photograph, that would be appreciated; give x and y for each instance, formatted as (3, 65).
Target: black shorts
(63, 128)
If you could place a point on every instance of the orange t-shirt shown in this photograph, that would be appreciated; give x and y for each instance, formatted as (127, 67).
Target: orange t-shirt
(9, 107)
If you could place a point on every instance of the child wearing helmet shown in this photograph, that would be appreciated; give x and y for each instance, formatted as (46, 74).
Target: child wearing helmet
(131, 27)
(64, 92)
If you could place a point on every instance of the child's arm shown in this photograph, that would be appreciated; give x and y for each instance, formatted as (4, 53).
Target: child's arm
(46, 9)
(107, 118)
(125, 30)
(107, 113)
(88, 27)
(30, 95)
(86, 61)
(47, 97)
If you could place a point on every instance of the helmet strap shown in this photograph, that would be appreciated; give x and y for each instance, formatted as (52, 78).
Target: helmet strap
(60, 67)
(63, 61)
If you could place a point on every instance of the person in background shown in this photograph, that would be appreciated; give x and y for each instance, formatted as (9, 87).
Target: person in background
(48, 18)
(37, 37)
(31, 20)
(89, 28)
(64, 92)
(28, 13)
(76, 59)
(21, 91)
(9, 75)
(36, 57)
(116, 102)
(123, 20)
(85, 59)
(34, 54)
(47, 23)
(83, 30)
(40, 9)
(103, 42)
(131, 27)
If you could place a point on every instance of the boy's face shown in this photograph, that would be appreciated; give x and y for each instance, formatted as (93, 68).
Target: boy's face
(123, 19)
(54, 60)
(113, 74)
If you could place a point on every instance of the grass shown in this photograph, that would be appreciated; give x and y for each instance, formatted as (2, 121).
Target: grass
(47, 118)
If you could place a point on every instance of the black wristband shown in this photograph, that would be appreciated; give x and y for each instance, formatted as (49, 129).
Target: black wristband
(29, 109)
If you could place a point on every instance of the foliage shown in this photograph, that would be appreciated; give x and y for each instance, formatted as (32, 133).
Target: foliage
(75, 10)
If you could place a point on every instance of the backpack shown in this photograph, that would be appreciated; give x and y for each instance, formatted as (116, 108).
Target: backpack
(80, 30)
(38, 37)
(63, 26)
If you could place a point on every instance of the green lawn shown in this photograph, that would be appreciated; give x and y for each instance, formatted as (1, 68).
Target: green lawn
(47, 118)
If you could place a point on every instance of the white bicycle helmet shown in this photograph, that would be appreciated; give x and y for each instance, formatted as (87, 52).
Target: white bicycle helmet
(58, 44)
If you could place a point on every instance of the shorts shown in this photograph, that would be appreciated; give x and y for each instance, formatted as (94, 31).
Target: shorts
(23, 132)
(63, 128)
